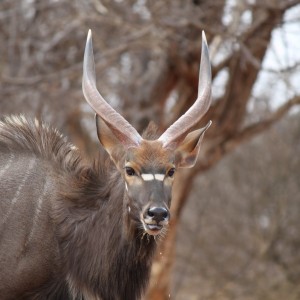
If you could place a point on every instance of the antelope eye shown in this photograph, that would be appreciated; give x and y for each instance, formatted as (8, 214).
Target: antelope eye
(171, 172)
(129, 171)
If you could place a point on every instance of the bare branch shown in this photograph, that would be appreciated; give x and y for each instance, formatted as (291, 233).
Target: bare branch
(257, 128)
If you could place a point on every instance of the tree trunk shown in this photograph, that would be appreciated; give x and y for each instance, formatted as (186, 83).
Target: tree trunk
(159, 288)
(231, 111)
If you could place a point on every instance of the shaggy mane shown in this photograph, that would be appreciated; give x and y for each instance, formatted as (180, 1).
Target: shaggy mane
(20, 134)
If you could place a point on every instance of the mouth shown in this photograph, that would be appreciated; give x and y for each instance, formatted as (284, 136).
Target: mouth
(152, 229)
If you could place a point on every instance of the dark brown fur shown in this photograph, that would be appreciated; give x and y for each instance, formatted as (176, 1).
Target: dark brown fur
(90, 248)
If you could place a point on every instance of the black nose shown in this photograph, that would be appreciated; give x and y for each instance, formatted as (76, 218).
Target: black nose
(158, 214)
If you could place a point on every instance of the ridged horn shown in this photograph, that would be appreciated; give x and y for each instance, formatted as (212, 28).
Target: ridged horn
(179, 129)
(124, 132)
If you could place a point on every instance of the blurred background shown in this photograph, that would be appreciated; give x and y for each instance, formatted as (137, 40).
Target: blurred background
(235, 230)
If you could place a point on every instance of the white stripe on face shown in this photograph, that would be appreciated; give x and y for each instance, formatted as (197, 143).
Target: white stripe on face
(149, 177)
(159, 177)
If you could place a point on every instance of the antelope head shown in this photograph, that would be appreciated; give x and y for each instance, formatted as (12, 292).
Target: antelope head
(148, 166)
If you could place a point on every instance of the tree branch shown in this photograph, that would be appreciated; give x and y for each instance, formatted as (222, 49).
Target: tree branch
(254, 129)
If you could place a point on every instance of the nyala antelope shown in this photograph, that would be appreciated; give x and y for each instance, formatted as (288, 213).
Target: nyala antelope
(69, 230)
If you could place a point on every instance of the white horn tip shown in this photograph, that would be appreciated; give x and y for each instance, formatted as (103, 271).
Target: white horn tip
(204, 36)
(89, 36)
(208, 124)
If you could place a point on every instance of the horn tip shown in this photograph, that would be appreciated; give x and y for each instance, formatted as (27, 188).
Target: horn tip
(88, 45)
(205, 62)
(89, 36)
(204, 40)
(203, 35)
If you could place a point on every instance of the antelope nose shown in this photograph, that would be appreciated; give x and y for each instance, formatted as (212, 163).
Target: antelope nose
(158, 214)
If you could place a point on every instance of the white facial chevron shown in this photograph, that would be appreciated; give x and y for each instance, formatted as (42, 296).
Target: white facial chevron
(149, 177)
(159, 177)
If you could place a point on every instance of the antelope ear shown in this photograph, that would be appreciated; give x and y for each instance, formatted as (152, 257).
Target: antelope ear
(188, 150)
(108, 140)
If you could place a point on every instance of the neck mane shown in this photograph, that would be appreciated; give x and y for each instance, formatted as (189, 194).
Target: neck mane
(107, 253)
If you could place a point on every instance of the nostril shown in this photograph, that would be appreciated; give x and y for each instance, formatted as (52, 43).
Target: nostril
(165, 214)
(158, 213)
(151, 213)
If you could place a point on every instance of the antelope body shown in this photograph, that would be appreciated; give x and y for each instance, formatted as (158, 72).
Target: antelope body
(75, 231)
